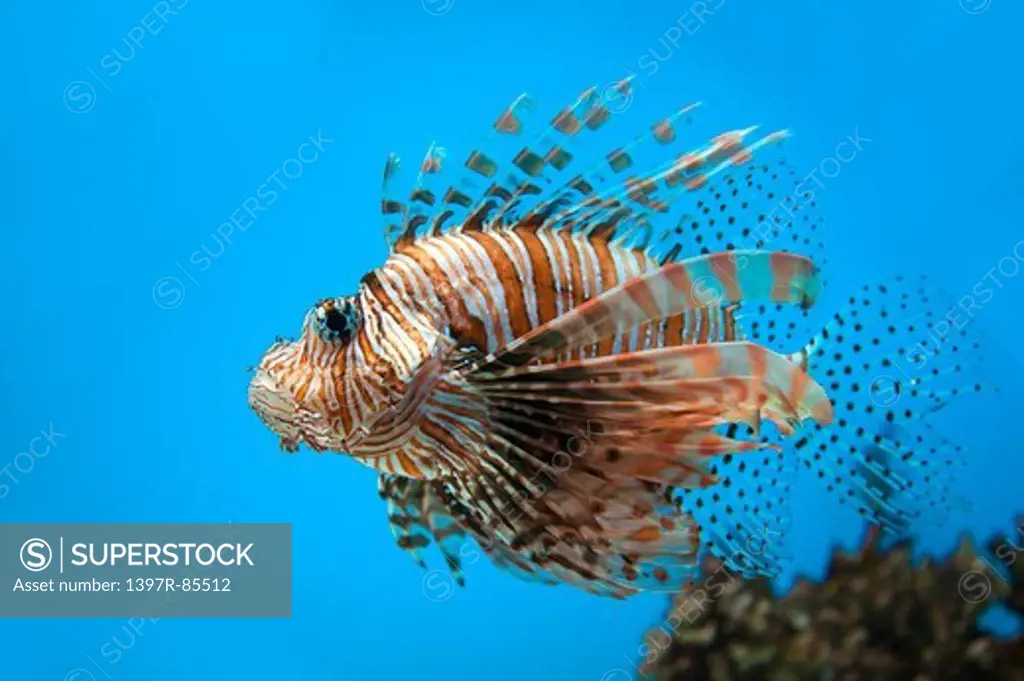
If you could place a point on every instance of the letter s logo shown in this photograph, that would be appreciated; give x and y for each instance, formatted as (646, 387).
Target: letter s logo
(36, 555)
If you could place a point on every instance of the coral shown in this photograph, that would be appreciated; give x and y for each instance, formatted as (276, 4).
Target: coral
(877, 616)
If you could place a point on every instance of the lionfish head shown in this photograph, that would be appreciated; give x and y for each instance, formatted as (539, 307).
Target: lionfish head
(286, 389)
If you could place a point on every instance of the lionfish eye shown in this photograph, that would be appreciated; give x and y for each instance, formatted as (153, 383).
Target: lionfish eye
(337, 319)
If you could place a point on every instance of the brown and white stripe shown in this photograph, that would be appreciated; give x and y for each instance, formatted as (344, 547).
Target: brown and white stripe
(481, 290)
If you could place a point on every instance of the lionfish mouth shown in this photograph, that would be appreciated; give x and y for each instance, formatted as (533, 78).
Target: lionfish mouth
(293, 423)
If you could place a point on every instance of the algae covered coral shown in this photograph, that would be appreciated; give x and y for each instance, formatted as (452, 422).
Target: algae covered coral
(878, 616)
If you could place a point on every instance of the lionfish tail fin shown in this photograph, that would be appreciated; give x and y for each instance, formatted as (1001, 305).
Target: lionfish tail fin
(894, 356)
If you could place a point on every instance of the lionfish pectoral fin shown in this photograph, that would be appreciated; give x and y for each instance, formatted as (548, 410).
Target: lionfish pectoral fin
(611, 439)
(736, 382)
(697, 283)
(418, 515)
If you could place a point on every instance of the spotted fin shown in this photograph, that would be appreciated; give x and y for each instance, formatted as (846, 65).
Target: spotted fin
(745, 518)
(890, 360)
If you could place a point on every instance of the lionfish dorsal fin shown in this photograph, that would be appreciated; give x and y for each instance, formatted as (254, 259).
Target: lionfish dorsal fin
(424, 195)
(502, 175)
(488, 183)
(392, 209)
(528, 175)
(402, 219)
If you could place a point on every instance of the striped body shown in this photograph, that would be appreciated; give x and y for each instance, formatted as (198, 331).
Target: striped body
(483, 290)
(492, 287)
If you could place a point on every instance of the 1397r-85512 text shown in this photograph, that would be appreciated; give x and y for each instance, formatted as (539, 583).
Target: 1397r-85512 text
(170, 584)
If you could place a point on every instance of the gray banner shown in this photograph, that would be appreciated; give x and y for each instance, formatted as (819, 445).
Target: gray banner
(225, 570)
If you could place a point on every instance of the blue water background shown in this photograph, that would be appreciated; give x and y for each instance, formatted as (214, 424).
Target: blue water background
(112, 181)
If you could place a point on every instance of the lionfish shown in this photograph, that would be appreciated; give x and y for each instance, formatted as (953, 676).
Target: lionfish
(537, 369)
